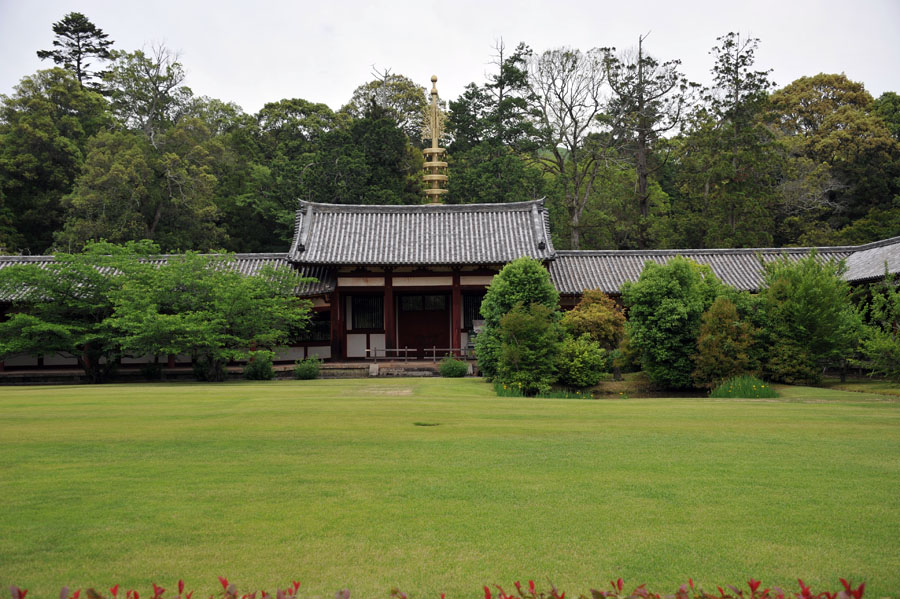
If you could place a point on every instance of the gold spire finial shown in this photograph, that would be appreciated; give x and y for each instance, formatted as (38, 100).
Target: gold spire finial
(435, 176)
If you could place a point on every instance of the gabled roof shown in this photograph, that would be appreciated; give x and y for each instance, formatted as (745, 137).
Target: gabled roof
(434, 234)
(573, 272)
(868, 261)
(247, 264)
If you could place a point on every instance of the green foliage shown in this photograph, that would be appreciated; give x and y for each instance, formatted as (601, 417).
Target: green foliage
(259, 367)
(581, 362)
(598, 316)
(77, 41)
(453, 368)
(880, 344)
(63, 307)
(811, 319)
(523, 281)
(44, 130)
(724, 345)
(201, 305)
(394, 97)
(308, 368)
(665, 309)
(744, 386)
(529, 343)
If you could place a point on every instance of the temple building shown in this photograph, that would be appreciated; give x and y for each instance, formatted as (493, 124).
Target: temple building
(407, 281)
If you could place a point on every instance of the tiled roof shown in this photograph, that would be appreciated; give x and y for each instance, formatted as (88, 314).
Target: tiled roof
(576, 271)
(423, 234)
(868, 261)
(247, 264)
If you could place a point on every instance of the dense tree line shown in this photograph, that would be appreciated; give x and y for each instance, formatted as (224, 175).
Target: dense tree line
(112, 144)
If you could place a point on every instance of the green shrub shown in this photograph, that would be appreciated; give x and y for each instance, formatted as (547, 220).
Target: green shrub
(307, 369)
(880, 347)
(530, 338)
(665, 305)
(523, 281)
(581, 362)
(515, 391)
(453, 368)
(259, 368)
(744, 386)
(811, 319)
(596, 315)
(723, 348)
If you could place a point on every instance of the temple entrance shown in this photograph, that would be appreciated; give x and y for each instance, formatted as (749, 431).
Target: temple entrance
(423, 322)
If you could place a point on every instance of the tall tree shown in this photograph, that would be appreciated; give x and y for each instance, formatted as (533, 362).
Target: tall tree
(728, 175)
(398, 99)
(649, 100)
(147, 90)
(831, 125)
(491, 130)
(566, 86)
(77, 41)
(44, 130)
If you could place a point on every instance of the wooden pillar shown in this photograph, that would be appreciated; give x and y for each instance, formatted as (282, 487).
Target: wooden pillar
(390, 327)
(455, 315)
(170, 362)
(337, 322)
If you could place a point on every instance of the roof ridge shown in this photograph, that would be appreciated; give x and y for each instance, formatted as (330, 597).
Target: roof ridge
(411, 208)
(709, 251)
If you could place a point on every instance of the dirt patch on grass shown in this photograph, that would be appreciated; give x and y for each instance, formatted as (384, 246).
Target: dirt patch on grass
(390, 391)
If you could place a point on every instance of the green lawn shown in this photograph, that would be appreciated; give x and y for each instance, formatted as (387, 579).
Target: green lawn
(342, 484)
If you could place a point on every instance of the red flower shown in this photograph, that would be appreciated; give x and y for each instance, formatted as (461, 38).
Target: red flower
(136, 595)
(619, 583)
(721, 592)
(531, 586)
(157, 591)
(519, 587)
(296, 585)
(114, 591)
(691, 582)
(754, 584)
(180, 586)
(442, 595)
(224, 582)
(487, 593)
(78, 592)
(189, 595)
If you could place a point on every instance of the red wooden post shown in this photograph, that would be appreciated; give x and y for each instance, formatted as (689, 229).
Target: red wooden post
(390, 328)
(337, 322)
(455, 315)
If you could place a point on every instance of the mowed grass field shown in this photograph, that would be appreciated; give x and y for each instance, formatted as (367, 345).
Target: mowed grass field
(436, 485)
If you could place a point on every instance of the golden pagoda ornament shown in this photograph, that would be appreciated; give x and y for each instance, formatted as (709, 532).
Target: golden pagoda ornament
(435, 165)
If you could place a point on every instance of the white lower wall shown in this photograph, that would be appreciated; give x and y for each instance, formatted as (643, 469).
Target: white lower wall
(356, 345)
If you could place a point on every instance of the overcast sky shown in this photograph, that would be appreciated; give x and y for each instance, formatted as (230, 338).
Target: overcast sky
(251, 52)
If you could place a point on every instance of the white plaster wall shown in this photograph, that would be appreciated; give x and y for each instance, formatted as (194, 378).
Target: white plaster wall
(356, 345)
(322, 351)
(291, 353)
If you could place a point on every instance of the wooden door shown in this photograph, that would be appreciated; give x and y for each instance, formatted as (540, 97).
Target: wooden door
(423, 322)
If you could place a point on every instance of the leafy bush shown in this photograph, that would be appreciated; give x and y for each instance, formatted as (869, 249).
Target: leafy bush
(307, 369)
(530, 338)
(665, 306)
(744, 386)
(811, 319)
(259, 368)
(523, 281)
(581, 362)
(452, 368)
(599, 316)
(723, 348)
(507, 391)
(880, 345)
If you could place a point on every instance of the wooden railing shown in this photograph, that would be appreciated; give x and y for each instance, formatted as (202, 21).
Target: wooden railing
(436, 353)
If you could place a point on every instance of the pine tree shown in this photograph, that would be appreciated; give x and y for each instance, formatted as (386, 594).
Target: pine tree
(77, 40)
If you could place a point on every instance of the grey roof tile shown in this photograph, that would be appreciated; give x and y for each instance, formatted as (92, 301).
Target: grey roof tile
(868, 262)
(573, 272)
(247, 264)
(332, 234)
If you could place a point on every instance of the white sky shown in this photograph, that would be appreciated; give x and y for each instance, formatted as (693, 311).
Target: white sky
(256, 52)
